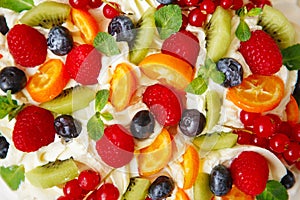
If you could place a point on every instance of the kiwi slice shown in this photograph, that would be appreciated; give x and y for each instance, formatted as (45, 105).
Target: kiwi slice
(215, 141)
(137, 189)
(47, 14)
(218, 31)
(53, 173)
(213, 107)
(201, 187)
(278, 26)
(145, 33)
(70, 100)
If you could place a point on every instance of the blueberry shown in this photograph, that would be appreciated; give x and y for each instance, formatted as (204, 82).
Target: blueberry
(3, 25)
(288, 180)
(60, 40)
(161, 188)
(4, 145)
(165, 1)
(142, 124)
(233, 71)
(123, 28)
(220, 181)
(13, 79)
(192, 122)
(67, 127)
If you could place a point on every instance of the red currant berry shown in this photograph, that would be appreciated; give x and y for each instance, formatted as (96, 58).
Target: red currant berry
(92, 196)
(263, 126)
(247, 118)
(197, 17)
(79, 4)
(226, 4)
(88, 180)
(296, 133)
(181, 3)
(262, 3)
(292, 154)
(237, 4)
(63, 198)
(244, 137)
(111, 12)
(108, 191)
(276, 120)
(72, 189)
(208, 6)
(191, 2)
(279, 143)
(95, 3)
(260, 142)
(285, 128)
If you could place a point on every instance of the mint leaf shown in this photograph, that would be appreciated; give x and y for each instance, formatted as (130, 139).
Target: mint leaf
(8, 106)
(243, 32)
(198, 86)
(291, 57)
(168, 20)
(217, 77)
(13, 175)
(107, 116)
(209, 71)
(106, 44)
(254, 12)
(101, 99)
(273, 191)
(17, 5)
(95, 127)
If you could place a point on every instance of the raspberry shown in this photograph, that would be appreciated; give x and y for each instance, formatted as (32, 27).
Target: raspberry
(34, 129)
(163, 103)
(250, 172)
(27, 45)
(83, 64)
(261, 53)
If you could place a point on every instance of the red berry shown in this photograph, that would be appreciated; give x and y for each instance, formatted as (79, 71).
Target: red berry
(185, 22)
(79, 4)
(108, 191)
(285, 128)
(83, 64)
(95, 3)
(247, 118)
(296, 133)
(63, 198)
(244, 138)
(250, 6)
(237, 4)
(27, 45)
(116, 146)
(279, 142)
(226, 4)
(72, 189)
(260, 141)
(92, 196)
(88, 180)
(250, 172)
(261, 53)
(275, 120)
(181, 3)
(263, 126)
(197, 17)
(292, 154)
(208, 6)
(191, 2)
(34, 128)
(111, 11)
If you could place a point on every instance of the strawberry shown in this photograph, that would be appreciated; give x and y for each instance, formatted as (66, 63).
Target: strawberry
(261, 53)
(27, 45)
(184, 45)
(34, 128)
(163, 103)
(83, 64)
(116, 146)
(250, 172)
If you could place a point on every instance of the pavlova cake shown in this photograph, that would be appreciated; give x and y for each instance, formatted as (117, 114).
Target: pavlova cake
(145, 99)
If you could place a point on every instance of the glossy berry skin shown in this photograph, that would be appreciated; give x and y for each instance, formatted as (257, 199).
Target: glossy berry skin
(142, 124)
(108, 191)
(191, 2)
(233, 71)
(4, 145)
(88, 180)
(111, 12)
(66, 126)
(296, 132)
(263, 126)
(208, 6)
(247, 118)
(237, 4)
(279, 142)
(226, 4)
(161, 187)
(123, 28)
(192, 122)
(79, 4)
(60, 40)
(165, 1)
(196, 17)
(13, 79)
(72, 189)
(289, 180)
(220, 181)
(3, 25)
(95, 3)
(244, 137)
(292, 153)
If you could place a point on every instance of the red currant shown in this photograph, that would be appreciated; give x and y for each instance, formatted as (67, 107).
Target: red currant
(72, 189)
(92, 196)
(279, 142)
(292, 154)
(276, 120)
(111, 12)
(250, 6)
(208, 6)
(88, 180)
(244, 137)
(263, 126)
(108, 191)
(95, 3)
(80, 4)
(63, 198)
(285, 128)
(296, 133)
(262, 3)
(226, 4)
(260, 142)
(181, 3)
(247, 118)
(197, 17)
(191, 2)
(237, 4)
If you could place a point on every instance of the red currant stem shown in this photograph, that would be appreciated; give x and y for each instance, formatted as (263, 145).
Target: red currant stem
(238, 129)
(106, 176)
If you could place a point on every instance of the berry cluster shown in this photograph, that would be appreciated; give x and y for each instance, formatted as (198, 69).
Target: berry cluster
(82, 4)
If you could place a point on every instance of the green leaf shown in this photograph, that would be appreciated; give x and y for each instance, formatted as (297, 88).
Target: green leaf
(217, 77)
(106, 44)
(8, 106)
(95, 127)
(17, 5)
(243, 32)
(13, 175)
(101, 99)
(273, 191)
(198, 86)
(107, 116)
(254, 12)
(291, 57)
(168, 20)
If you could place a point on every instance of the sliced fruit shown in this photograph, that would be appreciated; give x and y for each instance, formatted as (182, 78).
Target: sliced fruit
(53, 173)
(218, 34)
(47, 14)
(235, 193)
(278, 26)
(48, 82)
(181, 195)
(123, 85)
(70, 100)
(167, 69)
(292, 111)
(201, 187)
(213, 107)
(190, 165)
(156, 156)
(137, 189)
(215, 141)
(257, 93)
(145, 33)
(86, 23)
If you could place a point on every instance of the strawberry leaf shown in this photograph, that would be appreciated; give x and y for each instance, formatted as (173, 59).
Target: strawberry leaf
(273, 191)
(13, 175)
(243, 32)
(291, 57)
(101, 99)
(95, 127)
(106, 44)
(17, 5)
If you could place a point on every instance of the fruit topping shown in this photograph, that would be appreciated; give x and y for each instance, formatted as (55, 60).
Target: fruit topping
(250, 172)
(161, 188)
(201, 187)
(235, 193)
(34, 128)
(197, 17)
(79, 4)
(190, 166)
(3, 25)
(60, 40)
(288, 180)
(142, 124)
(95, 3)
(192, 122)
(13, 79)
(123, 28)
(292, 111)
(137, 189)
(108, 191)
(181, 195)
(27, 45)
(46, 14)
(163, 103)
(111, 10)
(233, 71)
(220, 181)
(89, 179)
(116, 146)
(4, 146)
(213, 107)
(67, 127)
(53, 173)
(49, 81)
(83, 64)
(165, 1)
(72, 189)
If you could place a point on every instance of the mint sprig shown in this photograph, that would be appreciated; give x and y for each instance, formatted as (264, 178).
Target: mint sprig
(291, 57)
(8, 106)
(13, 175)
(106, 44)
(273, 191)
(17, 5)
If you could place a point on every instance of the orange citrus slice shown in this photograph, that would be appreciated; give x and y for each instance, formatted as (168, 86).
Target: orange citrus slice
(181, 195)
(167, 69)
(48, 82)
(156, 156)
(235, 193)
(292, 111)
(190, 166)
(257, 93)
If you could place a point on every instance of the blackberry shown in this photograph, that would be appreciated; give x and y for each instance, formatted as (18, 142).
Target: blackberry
(4, 145)
(123, 28)
(67, 127)
(13, 79)
(233, 71)
(60, 40)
